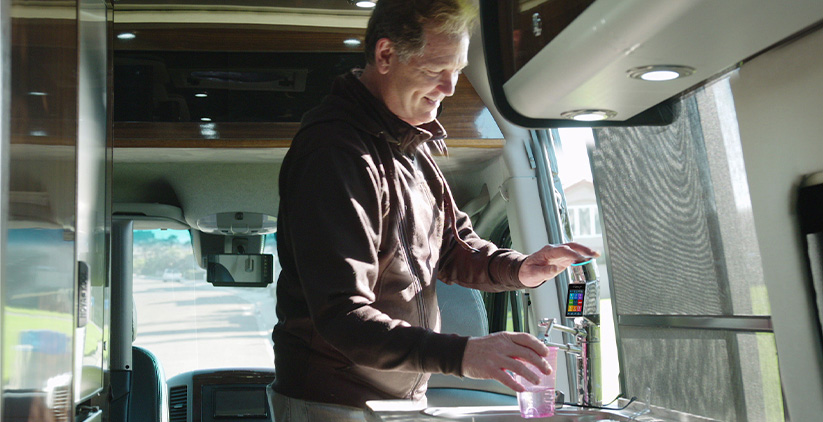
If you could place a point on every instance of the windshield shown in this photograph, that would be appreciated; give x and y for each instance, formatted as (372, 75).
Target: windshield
(190, 324)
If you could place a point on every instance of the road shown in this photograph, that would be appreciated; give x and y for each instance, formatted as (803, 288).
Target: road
(192, 324)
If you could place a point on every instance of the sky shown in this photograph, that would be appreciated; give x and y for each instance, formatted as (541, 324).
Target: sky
(573, 161)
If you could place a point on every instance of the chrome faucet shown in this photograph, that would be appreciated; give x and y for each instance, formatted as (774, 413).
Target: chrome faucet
(586, 332)
(586, 349)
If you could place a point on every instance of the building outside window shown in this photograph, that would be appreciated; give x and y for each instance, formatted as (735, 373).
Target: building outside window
(584, 220)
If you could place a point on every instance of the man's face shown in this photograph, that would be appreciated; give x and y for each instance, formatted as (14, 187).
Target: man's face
(416, 87)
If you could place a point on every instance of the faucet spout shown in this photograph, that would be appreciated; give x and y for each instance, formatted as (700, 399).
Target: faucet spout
(586, 349)
(550, 325)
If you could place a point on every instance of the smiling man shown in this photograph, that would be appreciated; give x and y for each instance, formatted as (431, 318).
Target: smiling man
(413, 87)
(367, 224)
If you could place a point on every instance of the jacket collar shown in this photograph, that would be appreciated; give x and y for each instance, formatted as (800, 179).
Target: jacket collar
(375, 117)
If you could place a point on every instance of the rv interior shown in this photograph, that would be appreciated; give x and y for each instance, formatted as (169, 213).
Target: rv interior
(141, 147)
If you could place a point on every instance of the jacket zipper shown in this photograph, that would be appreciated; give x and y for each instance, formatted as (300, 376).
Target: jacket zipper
(413, 271)
(404, 243)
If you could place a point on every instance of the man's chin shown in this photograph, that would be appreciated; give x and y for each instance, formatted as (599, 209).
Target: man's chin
(431, 116)
(421, 120)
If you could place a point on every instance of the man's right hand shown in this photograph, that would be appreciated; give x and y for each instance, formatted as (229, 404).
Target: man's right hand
(489, 357)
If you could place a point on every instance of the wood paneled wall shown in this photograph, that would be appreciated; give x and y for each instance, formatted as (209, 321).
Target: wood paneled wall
(460, 112)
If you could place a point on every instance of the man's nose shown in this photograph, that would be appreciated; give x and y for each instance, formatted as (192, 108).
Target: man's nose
(448, 80)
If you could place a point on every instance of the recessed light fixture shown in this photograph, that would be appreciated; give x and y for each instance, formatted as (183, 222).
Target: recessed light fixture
(363, 4)
(657, 73)
(352, 42)
(126, 36)
(201, 95)
(588, 115)
(205, 119)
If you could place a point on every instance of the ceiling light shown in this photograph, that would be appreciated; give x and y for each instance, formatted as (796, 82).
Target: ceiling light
(363, 4)
(659, 73)
(205, 119)
(126, 36)
(352, 42)
(38, 94)
(201, 95)
(588, 115)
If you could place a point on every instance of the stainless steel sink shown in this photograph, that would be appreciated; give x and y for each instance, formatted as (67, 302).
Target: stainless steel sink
(407, 411)
(512, 413)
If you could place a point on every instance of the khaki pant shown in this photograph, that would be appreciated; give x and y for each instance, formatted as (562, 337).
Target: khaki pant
(287, 409)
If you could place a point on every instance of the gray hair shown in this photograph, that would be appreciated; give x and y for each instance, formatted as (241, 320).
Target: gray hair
(404, 23)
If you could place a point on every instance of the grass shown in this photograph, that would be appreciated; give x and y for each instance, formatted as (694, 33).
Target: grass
(17, 321)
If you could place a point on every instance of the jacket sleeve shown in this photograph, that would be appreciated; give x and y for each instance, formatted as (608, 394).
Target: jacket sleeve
(491, 269)
(334, 202)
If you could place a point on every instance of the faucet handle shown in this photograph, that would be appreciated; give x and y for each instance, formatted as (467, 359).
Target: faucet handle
(548, 323)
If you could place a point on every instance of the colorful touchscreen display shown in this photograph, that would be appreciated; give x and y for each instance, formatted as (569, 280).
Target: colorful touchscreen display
(574, 305)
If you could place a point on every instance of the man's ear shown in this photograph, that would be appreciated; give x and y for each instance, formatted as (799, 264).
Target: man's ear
(384, 55)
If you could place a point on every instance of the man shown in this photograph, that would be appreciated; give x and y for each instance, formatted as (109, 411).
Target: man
(367, 224)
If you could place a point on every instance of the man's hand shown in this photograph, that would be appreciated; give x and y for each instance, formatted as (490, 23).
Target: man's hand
(552, 260)
(489, 357)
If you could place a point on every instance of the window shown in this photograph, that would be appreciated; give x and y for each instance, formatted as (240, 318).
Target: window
(689, 288)
(190, 324)
(571, 149)
(505, 310)
(584, 220)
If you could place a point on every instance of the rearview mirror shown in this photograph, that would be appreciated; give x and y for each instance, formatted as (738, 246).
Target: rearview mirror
(240, 270)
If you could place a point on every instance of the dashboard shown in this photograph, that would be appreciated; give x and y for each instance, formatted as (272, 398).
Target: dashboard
(223, 395)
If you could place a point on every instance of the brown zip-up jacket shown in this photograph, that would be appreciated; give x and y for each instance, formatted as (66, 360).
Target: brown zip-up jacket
(364, 231)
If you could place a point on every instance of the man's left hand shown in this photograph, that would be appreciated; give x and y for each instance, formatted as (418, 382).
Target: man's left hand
(552, 260)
